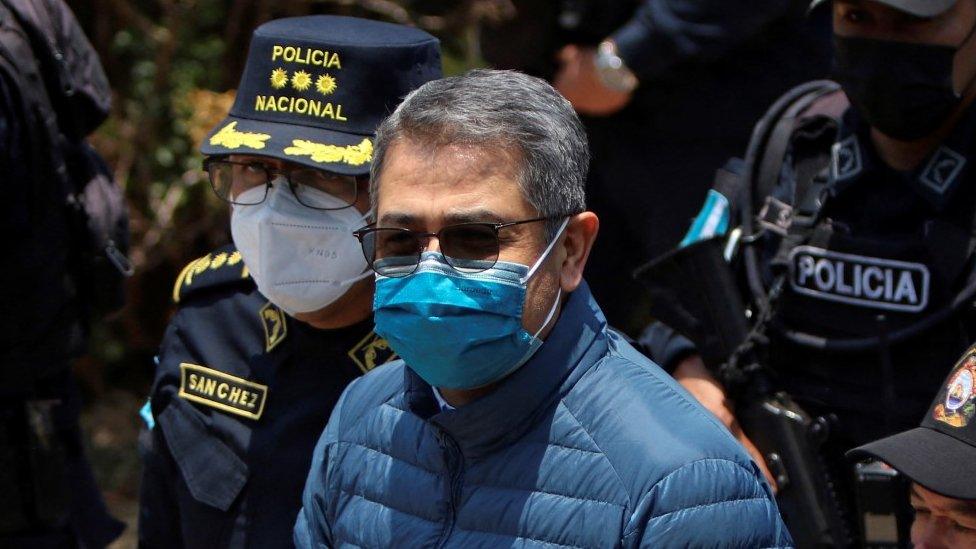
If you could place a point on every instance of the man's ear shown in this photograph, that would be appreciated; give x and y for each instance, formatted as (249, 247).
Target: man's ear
(578, 240)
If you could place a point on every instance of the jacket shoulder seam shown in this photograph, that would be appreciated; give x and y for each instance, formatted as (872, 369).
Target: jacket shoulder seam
(709, 504)
(699, 411)
(620, 480)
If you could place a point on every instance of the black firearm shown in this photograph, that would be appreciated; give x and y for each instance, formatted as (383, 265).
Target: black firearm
(693, 291)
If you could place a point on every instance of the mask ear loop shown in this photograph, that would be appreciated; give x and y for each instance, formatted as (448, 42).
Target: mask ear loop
(545, 254)
(552, 313)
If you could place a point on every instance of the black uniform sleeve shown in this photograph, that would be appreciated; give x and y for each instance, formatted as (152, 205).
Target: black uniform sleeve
(665, 346)
(664, 33)
(11, 150)
(159, 522)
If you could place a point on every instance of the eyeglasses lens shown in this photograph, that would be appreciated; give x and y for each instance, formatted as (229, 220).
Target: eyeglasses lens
(231, 181)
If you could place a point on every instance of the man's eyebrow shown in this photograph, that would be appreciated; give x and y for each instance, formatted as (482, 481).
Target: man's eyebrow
(964, 507)
(396, 218)
(472, 216)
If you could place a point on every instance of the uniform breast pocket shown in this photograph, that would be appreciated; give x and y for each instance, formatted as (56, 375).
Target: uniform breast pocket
(210, 496)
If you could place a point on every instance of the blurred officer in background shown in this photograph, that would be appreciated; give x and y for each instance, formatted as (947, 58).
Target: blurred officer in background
(669, 89)
(852, 232)
(271, 329)
(65, 231)
(940, 460)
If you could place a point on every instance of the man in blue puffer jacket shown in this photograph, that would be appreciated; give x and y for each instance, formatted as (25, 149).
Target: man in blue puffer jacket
(517, 416)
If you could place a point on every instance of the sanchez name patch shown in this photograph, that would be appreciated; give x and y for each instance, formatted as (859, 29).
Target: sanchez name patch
(222, 391)
(859, 280)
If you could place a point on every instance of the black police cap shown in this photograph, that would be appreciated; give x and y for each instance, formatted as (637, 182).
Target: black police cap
(315, 88)
(941, 453)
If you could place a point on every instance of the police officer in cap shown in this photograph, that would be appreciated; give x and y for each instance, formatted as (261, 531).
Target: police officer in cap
(271, 329)
(851, 227)
(939, 457)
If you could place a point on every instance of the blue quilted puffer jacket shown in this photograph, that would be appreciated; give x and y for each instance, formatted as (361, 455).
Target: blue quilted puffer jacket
(587, 445)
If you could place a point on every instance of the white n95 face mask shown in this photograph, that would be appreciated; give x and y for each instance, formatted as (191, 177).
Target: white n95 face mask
(301, 259)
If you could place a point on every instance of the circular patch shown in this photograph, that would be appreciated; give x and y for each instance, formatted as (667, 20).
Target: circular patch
(960, 389)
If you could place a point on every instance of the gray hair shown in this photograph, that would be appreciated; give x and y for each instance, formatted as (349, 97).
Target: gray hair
(499, 108)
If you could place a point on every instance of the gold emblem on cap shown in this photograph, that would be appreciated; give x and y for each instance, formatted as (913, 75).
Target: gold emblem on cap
(354, 155)
(301, 80)
(230, 138)
(326, 84)
(279, 78)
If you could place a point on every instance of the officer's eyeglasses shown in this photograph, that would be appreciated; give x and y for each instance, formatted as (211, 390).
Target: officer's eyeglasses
(467, 247)
(231, 180)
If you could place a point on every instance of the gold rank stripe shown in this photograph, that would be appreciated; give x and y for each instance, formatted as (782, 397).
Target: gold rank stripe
(222, 391)
(200, 265)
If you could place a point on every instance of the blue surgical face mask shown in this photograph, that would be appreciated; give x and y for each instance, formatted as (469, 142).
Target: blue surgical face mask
(460, 331)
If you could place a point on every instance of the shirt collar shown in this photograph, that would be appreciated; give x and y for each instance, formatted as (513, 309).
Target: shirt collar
(496, 420)
(441, 403)
(936, 180)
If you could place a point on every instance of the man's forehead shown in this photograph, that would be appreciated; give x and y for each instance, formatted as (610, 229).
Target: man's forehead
(458, 181)
(943, 503)
(465, 159)
(917, 9)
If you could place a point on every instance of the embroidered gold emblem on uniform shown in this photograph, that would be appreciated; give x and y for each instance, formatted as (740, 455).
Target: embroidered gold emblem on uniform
(959, 405)
(275, 326)
(371, 352)
(209, 266)
(222, 391)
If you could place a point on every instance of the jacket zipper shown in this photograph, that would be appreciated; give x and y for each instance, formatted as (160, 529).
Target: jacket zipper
(456, 466)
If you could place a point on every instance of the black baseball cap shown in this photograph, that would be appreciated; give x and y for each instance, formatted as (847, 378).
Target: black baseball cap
(315, 88)
(918, 8)
(941, 453)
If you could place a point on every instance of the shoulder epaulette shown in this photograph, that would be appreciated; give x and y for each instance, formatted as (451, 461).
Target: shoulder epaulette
(220, 267)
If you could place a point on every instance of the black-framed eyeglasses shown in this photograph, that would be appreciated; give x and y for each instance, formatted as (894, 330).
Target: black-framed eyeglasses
(247, 184)
(467, 247)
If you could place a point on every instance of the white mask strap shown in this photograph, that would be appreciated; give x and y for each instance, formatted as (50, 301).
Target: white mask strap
(552, 312)
(356, 278)
(545, 254)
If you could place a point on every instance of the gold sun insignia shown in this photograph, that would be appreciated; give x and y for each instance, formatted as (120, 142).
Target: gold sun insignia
(325, 84)
(279, 78)
(301, 80)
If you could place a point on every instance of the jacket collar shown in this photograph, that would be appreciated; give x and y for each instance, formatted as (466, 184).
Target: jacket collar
(576, 342)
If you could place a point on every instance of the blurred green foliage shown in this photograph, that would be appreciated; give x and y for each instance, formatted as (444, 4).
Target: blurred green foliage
(173, 65)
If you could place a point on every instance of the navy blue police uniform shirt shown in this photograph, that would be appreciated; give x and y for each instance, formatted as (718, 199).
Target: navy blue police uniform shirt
(897, 244)
(241, 394)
